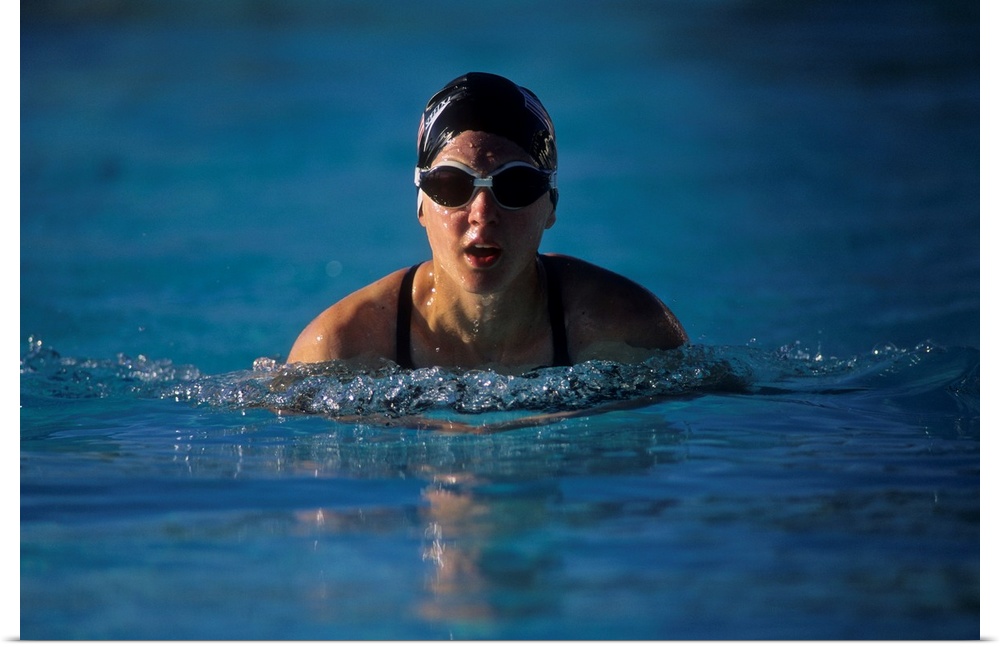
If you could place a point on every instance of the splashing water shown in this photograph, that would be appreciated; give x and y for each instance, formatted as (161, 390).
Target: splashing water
(338, 390)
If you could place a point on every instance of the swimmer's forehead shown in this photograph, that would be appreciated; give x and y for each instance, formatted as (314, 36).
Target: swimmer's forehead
(481, 150)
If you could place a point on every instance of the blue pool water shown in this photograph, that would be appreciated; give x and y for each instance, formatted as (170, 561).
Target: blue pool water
(799, 182)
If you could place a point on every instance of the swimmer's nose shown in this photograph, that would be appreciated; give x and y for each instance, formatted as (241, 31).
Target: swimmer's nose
(484, 208)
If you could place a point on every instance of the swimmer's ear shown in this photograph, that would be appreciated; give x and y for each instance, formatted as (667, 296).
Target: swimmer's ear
(554, 199)
(420, 210)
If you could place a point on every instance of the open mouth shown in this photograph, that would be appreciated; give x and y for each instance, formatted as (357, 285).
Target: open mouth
(482, 255)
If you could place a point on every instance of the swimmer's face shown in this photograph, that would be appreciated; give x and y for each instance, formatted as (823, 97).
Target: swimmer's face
(482, 245)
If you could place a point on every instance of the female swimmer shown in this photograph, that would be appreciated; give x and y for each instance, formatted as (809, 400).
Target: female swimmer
(486, 180)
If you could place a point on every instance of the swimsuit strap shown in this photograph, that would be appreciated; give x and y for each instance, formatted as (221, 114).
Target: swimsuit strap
(403, 310)
(557, 319)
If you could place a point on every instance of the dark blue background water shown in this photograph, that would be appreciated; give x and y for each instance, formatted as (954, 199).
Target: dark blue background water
(774, 171)
(199, 179)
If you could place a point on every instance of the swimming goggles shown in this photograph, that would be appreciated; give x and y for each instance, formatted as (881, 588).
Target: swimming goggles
(514, 185)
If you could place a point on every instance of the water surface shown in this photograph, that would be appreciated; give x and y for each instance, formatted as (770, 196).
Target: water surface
(798, 182)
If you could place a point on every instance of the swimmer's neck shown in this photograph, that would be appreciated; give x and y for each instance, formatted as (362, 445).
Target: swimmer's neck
(486, 321)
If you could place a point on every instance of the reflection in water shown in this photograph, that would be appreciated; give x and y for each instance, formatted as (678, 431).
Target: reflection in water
(488, 551)
(488, 517)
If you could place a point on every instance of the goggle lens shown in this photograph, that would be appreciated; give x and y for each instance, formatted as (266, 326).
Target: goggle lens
(514, 187)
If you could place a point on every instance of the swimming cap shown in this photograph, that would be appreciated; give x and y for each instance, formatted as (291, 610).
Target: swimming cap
(492, 104)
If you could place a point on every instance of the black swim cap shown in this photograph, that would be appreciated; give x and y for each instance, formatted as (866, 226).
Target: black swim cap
(492, 104)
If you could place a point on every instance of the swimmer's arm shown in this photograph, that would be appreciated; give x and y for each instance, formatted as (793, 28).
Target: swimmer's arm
(613, 318)
(647, 324)
(313, 344)
(360, 326)
(345, 333)
(631, 338)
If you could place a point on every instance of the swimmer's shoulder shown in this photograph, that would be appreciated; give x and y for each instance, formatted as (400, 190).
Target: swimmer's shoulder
(602, 307)
(361, 325)
(587, 287)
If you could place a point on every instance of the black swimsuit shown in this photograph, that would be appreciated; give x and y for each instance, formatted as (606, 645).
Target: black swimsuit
(560, 349)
